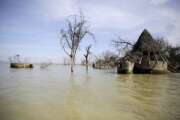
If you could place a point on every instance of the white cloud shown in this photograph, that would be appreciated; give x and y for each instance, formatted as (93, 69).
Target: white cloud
(128, 16)
(118, 17)
(102, 16)
(56, 9)
(158, 2)
(173, 34)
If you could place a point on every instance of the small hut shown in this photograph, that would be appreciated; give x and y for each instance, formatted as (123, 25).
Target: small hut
(145, 57)
(150, 58)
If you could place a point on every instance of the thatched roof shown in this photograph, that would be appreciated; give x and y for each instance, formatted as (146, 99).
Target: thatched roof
(144, 43)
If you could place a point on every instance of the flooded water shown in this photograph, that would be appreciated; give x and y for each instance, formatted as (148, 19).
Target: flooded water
(56, 94)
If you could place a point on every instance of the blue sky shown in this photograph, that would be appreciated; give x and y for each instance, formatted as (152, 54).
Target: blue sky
(30, 27)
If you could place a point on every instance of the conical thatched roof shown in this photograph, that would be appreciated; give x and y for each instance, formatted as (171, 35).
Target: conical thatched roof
(144, 43)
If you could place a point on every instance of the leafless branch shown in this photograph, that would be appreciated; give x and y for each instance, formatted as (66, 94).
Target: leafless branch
(73, 34)
(121, 44)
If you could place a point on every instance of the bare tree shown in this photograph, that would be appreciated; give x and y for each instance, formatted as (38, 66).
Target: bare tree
(15, 59)
(88, 52)
(122, 45)
(162, 45)
(72, 35)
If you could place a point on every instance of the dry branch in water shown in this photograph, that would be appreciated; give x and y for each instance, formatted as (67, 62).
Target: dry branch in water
(88, 52)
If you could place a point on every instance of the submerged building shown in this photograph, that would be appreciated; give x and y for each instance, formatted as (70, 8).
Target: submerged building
(145, 57)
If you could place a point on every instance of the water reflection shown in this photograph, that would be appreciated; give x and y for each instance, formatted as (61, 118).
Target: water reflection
(71, 107)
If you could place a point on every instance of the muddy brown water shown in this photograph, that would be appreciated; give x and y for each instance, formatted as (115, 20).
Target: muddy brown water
(56, 94)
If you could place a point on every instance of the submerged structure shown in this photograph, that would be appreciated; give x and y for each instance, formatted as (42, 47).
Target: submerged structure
(145, 57)
(125, 65)
(21, 65)
(15, 62)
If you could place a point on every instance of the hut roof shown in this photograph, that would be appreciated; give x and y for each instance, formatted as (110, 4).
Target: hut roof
(144, 42)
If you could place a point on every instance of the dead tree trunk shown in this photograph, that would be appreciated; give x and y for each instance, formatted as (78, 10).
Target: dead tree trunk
(87, 56)
(71, 37)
